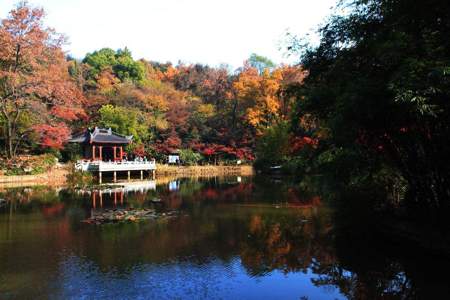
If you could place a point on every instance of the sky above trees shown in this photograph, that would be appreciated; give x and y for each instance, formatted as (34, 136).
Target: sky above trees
(200, 31)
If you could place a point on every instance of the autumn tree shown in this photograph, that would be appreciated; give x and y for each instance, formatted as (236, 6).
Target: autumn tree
(34, 79)
(257, 96)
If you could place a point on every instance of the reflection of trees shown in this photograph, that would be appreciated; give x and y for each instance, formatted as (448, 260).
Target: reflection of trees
(27, 199)
(366, 266)
(224, 220)
(288, 243)
(387, 282)
(339, 247)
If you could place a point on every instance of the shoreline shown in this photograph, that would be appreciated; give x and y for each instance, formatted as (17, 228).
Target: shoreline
(57, 176)
(53, 177)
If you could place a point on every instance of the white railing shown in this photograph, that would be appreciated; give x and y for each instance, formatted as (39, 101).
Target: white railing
(104, 166)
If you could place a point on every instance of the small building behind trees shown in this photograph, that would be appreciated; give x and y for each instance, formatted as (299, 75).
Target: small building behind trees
(174, 157)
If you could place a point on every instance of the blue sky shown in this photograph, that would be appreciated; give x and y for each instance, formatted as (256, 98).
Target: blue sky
(205, 31)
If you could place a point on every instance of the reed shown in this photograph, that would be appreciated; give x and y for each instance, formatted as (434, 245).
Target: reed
(208, 170)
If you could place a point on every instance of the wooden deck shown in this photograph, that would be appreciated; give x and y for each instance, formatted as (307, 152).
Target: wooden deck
(117, 166)
(103, 166)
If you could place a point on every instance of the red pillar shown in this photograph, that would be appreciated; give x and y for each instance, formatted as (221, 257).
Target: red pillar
(115, 153)
(93, 199)
(121, 153)
(100, 148)
(93, 152)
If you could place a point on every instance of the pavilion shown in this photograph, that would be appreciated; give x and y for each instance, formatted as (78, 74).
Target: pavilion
(103, 151)
(102, 144)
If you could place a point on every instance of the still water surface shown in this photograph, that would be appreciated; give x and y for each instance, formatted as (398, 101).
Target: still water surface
(235, 238)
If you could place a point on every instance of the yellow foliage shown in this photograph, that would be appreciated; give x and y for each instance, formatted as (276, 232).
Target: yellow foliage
(207, 110)
(259, 95)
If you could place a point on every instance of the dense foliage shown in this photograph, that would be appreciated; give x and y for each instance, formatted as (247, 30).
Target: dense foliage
(215, 114)
(377, 97)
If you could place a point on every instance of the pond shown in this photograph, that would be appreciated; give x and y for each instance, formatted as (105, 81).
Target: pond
(232, 238)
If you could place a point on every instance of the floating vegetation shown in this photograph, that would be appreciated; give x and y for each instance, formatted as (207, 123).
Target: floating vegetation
(108, 216)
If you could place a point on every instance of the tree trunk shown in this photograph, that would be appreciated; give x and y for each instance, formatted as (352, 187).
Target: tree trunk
(233, 122)
(9, 139)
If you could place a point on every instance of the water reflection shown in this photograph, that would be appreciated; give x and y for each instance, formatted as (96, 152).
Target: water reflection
(236, 238)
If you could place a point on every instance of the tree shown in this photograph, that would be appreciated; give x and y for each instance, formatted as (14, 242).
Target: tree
(273, 146)
(378, 84)
(189, 157)
(258, 97)
(33, 76)
(125, 121)
(120, 62)
(261, 63)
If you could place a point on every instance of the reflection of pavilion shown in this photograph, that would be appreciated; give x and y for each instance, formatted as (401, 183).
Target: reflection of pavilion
(174, 185)
(117, 193)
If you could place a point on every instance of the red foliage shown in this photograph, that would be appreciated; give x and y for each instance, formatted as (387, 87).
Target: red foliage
(298, 143)
(52, 136)
(208, 151)
(170, 144)
(139, 150)
(68, 113)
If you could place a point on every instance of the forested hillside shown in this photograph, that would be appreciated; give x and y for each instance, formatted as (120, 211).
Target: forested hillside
(209, 113)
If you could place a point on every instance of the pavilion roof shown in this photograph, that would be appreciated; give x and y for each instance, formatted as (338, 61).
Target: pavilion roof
(101, 136)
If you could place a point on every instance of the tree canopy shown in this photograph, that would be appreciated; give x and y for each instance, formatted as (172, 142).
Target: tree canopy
(37, 94)
(377, 96)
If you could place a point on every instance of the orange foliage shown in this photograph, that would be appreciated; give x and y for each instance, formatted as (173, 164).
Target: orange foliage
(261, 95)
(106, 81)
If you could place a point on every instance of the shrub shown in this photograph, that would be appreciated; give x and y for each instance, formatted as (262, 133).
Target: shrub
(29, 165)
(71, 152)
(78, 179)
(273, 146)
(189, 157)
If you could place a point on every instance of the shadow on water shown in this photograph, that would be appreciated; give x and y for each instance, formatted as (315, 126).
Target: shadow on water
(252, 238)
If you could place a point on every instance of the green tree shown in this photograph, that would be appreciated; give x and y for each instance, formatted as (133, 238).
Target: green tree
(261, 63)
(273, 146)
(126, 121)
(189, 157)
(121, 62)
(379, 85)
